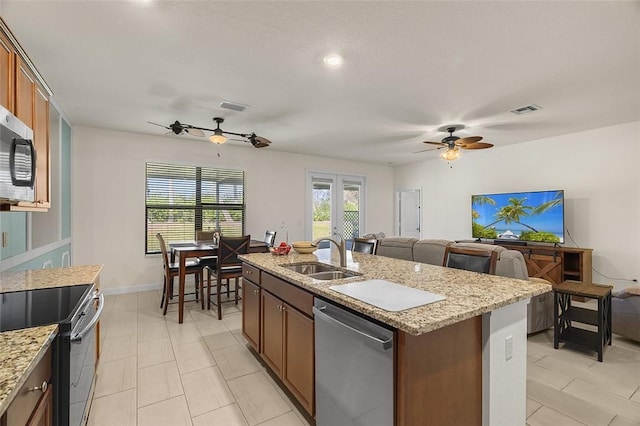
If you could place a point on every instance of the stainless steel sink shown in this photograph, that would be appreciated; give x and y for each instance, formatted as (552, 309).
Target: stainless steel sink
(310, 268)
(321, 271)
(333, 275)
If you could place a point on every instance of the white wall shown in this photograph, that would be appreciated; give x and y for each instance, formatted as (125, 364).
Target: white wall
(598, 170)
(108, 195)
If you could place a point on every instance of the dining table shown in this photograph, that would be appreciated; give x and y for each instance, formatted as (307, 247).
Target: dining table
(183, 250)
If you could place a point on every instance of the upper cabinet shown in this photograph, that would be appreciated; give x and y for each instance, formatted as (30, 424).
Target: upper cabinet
(25, 94)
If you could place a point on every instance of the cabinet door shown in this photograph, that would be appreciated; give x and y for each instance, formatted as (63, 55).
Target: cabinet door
(43, 413)
(25, 92)
(298, 372)
(545, 266)
(41, 142)
(6, 72)
(271, 332)
(251, 313)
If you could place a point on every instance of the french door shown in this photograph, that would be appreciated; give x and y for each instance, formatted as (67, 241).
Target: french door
(335, 205)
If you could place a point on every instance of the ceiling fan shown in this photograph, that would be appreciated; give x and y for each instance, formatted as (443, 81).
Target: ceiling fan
(218, 137)
(453, 143)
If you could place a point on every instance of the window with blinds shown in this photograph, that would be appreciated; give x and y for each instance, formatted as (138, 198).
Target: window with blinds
(180, 200)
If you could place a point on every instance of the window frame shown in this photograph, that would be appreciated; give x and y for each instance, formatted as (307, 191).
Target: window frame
(199, 208)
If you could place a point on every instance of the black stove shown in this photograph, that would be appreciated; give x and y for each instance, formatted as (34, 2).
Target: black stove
(32, 308)
(76, 310)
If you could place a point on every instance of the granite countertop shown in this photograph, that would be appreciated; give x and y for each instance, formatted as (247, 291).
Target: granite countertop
(48, 278)
(469, 294)
(20, 352)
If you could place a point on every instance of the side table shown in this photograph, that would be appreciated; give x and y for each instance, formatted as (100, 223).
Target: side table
(564, 314)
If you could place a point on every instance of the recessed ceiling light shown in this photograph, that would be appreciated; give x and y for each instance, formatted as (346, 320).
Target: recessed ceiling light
(333, 60)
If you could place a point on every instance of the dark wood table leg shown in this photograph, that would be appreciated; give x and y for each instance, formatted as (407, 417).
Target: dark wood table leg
(601, 315)
(556, 320)
(182, 269)
(609, 330)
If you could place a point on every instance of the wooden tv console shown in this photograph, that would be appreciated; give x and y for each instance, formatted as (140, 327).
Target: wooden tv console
(555, 264)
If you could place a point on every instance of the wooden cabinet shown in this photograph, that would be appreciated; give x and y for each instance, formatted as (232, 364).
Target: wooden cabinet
(277, 321)
(298, 356)
(33, 404)
(43, 413)
(7, 69)
(556, 264)
(271, 328)
(251, 313)
(24, 93)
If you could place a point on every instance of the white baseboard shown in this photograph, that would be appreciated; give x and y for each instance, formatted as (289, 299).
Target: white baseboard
(132, 289)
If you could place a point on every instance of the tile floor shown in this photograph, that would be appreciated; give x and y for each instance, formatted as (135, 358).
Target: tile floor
(154, 371)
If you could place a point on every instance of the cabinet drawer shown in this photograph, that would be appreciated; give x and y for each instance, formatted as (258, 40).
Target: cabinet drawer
(251, 273)
(26, 400)
(294, 296)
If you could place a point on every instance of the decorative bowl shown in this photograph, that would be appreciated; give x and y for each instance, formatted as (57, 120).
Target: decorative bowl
(304, 247)
(280, 250)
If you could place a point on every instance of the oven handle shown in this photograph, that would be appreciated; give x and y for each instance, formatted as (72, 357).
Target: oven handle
(96, 296)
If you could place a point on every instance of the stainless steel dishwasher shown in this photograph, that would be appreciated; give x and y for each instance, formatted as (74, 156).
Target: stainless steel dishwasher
(354, 368)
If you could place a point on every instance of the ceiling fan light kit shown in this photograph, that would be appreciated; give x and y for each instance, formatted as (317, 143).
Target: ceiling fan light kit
(451, 154)
(218, 137)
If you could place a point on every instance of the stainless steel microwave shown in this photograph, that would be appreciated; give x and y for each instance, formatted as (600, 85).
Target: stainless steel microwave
(17, 159)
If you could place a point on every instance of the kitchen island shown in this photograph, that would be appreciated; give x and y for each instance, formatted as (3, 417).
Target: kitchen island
(458, 361)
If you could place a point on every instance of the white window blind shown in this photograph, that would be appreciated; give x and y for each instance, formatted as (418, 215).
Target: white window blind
(180, 200)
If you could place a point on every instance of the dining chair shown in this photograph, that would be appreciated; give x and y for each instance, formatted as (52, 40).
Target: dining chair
(364, 245)
(207, 236)
(470, 259)
(228, 266)
(204, 235)
(270, 238)
(172, 270)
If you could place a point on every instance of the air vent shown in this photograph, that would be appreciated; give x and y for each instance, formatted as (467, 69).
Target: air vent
(525, 109)
(233, 105)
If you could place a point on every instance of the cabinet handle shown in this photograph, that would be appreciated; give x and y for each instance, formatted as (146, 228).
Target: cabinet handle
(43, 387)
(248, 272)
(256, 291)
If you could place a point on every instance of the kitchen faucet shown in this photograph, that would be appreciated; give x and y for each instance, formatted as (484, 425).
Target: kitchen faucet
(342, 248)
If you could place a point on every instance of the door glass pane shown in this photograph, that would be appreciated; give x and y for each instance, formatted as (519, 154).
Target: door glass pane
(321, 196)
(351, 208)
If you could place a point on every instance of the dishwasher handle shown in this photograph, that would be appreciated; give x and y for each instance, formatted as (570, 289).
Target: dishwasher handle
(384, 344)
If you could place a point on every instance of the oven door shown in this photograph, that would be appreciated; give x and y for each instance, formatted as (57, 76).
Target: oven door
(82, 361)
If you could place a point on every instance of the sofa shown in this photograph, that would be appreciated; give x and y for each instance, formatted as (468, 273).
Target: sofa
(625, 313)
(510, 264)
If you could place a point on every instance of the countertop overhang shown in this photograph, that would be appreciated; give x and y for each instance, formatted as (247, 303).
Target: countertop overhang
(469, 294)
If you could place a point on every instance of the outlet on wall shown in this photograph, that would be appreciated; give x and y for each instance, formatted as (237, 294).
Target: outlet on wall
(508, 348)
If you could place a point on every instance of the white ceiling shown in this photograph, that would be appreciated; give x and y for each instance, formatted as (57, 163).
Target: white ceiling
(409, 68)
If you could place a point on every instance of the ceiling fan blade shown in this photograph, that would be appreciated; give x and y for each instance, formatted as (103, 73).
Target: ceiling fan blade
(195, 132)
(259, 142)
(435, 143)
(430, 149)
(161, 125)
(468, 140)
(477, 145)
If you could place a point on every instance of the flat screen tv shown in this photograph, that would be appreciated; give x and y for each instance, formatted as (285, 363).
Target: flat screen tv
(519, 216)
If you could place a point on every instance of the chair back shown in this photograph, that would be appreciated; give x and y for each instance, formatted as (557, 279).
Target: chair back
(270, 238)
(470, 260)
(163, 248)
(204, 235)
(229, 248)
(364, 245)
